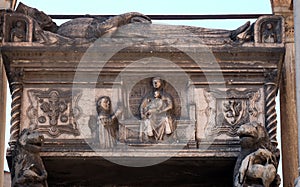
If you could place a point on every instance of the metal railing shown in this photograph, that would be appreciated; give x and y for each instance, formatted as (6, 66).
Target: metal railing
(173, 17)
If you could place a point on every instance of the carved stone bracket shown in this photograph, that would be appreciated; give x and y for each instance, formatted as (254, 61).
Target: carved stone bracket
(226, 111)
(258, 160)
(269, 29)
(54, 111)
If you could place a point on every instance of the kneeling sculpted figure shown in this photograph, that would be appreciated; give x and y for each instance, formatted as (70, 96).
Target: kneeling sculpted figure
(105, 126)
(28, 168)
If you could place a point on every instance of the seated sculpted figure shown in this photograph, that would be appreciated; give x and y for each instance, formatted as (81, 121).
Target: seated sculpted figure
(156, 113)
(18, 32)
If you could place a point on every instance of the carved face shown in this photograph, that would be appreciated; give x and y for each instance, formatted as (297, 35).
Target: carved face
(156, 82)
(105, 104)
(252, 134)
(31, 141)
(157, 94)
(269, 26)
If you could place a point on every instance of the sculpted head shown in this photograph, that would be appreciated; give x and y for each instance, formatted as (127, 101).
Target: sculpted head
(31, 140)
(157, 82)
(103, 104)
(252, 135)
(157, 94)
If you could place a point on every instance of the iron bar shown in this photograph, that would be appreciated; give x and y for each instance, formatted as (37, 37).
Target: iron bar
(173, 17)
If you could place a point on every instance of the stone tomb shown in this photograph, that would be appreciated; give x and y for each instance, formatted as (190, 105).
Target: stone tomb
(123, 102)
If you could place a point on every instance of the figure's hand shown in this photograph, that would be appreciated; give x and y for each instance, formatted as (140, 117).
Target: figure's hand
(42, 177)
(106, 121)
(119, 109)
(30, 174)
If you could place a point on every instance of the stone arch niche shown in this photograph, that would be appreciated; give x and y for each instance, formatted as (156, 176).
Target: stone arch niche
(142, 89)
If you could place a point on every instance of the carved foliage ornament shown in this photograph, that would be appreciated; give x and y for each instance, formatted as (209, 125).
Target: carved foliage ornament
(226, 111)
(54, 111)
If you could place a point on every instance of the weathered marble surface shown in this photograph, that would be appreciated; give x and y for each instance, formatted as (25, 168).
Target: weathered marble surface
(219, 80)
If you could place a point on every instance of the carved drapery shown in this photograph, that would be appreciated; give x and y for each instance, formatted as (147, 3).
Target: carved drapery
(142, 88)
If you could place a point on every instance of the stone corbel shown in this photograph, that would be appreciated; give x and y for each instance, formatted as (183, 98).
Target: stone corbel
(258, 160)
